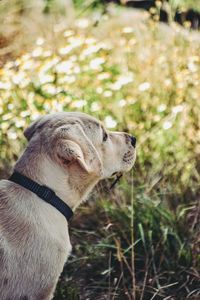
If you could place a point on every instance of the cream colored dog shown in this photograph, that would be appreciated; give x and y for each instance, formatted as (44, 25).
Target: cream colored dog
(70, 153)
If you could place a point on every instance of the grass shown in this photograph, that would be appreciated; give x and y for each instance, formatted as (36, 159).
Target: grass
(185, 4)
(171, 6)
(140, 241)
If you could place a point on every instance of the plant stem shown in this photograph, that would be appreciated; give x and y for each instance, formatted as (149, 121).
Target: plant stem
(132, 242)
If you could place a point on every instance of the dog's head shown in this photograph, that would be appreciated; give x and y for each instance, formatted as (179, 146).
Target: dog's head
(77, 141)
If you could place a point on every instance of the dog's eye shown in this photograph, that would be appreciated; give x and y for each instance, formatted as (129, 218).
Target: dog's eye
(105, 136)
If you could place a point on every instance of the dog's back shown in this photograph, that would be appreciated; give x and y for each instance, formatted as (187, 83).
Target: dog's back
(28, 255)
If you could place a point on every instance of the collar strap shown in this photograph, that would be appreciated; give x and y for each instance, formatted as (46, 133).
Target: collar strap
(43, 192)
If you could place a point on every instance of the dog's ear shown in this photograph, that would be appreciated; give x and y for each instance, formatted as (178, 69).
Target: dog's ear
(74, 146)
(34, 127)
(30, 130)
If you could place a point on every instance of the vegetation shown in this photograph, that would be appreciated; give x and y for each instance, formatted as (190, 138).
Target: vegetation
(186, 4)
(181, 5)
(141, 240)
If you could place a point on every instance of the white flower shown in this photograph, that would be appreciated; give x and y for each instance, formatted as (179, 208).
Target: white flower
(24, 114)
(91, 49)
(162, 107)
(90, 40)
(122, 80)
(76, 41)
(177, 109)
(122, 102)
(44, 78)
(25, 57)
(4, 126)
(47, 53)
(68, 33)
(103, 76)
(77, 69)
(125, 79)
(50, 89)
(18, 78)
(144, 86)
(67, 79)
(17, 62)
(5, 85)
(99, 90)
(64, 67)
(167, 125)
(49, 64)
(71, 79)
(96, 62)
(31, 96)
(82, 23)
(80, 103)
(168, 82)
(27, 65)
(24, 82)
(47, 107)
(10, 106)
(7, 116)
(110, 122)
(20, 123)
(39, 41)
(65, 50)
(57, 106)
(73, 58)
(34, 116)
(37, 52)
(192, 67)
(95, 106)
(127, 29)
(107, 93)
(12, 135)
(180, 85)
(9, 65)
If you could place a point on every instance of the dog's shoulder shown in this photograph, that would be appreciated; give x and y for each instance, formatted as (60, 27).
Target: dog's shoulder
(5, 187)
(8, 190)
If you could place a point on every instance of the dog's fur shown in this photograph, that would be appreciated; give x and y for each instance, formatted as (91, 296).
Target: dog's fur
(70, 153)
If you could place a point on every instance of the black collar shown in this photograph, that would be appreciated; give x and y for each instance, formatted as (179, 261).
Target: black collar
(43, 192)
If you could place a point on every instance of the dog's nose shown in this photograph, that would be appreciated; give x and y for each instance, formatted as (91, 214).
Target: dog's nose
(133, 141)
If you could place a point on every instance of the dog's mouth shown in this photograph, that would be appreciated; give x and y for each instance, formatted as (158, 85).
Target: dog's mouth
(116, 174)
(129, 157)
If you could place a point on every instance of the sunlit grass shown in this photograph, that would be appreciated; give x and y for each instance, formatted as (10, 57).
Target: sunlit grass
(148, 86)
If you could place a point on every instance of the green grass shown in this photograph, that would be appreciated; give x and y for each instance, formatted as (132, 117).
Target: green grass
(144, 79)
(170, 6)
(185, 4)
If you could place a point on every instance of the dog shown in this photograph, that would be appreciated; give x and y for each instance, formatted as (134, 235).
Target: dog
(68, 152)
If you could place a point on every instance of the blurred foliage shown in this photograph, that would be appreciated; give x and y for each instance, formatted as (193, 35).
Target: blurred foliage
(185, 4)
(148, 86)
(181, 5)
(144, 79)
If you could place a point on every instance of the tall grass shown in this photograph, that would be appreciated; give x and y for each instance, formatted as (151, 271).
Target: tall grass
(140, 241)
(185, 4)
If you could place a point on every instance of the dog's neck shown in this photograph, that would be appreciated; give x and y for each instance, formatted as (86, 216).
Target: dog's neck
(72, 187)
